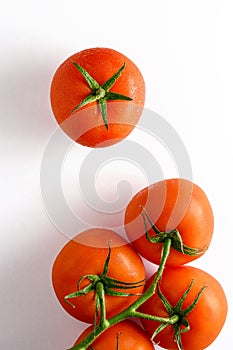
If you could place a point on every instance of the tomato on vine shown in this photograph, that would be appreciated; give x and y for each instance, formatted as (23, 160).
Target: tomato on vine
(173, 208)
(97, 96)
(199, 301)
(97, 274)
(125, 335)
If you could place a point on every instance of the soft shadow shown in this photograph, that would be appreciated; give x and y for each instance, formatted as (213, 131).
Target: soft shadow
(25, 106)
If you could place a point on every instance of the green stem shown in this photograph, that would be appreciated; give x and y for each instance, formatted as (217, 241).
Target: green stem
(101, 294)
(165, 253)
(167, 320)
(131, 311)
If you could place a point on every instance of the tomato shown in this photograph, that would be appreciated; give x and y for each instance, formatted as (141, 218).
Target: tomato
(69, 88)
(86, 255)
(131, 337)
(206, 319)
(173, 205)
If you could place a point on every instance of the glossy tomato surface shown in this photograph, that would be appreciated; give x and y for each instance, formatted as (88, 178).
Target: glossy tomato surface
(130, 337)
(171, 204)
(206, 319)
(69, 88)
(86, 255)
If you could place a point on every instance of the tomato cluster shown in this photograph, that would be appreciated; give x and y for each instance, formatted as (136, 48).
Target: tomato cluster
(99, 277)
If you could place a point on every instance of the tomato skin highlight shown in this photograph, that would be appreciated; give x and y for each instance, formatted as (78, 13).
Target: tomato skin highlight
(171, 204)
(206, 319)
(69, 88)
(131, 337)
(85, 255)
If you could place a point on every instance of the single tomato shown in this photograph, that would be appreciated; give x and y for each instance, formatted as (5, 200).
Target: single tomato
(175, 208)
(126, 335)
(205, 320)
(86, 256)
(97, 96)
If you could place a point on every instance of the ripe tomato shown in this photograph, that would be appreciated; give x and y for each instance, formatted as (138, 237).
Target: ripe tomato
(206, 319)
(131, 337)
(171, 204)
(86, 255)
(69, 88)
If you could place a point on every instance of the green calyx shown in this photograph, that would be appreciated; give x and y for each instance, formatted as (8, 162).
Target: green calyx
(174, 235)
(182, 325)
(100, 93)
(101, 285)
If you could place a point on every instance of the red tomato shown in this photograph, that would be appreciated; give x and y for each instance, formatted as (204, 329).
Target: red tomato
(86, 255)
(171, 204)
(206, 319)
(69, 88)
(130, 337)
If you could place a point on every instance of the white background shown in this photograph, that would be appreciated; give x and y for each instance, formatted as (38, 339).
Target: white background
(184, 51)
